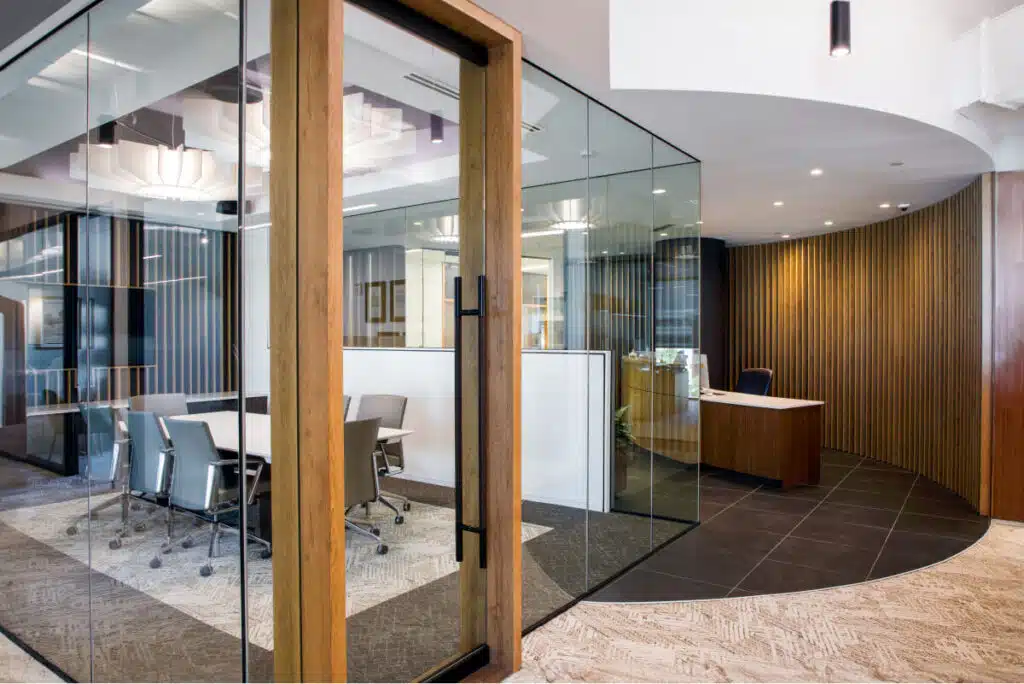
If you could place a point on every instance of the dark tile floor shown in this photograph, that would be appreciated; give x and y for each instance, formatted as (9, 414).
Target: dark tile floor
(865, 520)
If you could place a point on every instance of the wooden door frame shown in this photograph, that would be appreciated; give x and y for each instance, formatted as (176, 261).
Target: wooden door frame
(306, 309)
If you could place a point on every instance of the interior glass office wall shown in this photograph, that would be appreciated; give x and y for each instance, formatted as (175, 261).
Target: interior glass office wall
(119, 245)
(610, 328)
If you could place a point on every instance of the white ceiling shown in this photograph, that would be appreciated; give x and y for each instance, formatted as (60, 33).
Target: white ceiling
(760, 149)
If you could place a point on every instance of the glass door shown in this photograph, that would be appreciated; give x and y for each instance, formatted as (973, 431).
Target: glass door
(413, 271)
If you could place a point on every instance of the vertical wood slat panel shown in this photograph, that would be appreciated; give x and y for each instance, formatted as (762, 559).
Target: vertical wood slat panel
(882, 323)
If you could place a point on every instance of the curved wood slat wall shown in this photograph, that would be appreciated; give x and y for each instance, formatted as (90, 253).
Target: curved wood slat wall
(883, 323)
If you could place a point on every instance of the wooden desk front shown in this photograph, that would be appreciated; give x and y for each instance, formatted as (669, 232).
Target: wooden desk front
(768, 437)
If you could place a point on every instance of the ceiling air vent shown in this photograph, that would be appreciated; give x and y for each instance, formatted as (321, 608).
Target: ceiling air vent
(451, 91)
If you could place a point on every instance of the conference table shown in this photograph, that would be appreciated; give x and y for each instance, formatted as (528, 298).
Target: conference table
(223, 427)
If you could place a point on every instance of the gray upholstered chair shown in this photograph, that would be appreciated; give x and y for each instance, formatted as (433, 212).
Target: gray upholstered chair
(149, 468)
(163, 405)
(103, 458)
(203, 485)
(361, 485)
(390, 408)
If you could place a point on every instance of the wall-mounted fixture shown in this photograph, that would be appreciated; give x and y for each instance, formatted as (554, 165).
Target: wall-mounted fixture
(840, 25)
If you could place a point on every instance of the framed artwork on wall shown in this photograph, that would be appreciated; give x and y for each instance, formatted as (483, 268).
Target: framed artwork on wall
(398, 301)
(51, 323)
(375, 302)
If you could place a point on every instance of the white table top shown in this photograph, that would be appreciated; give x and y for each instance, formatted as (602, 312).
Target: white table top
(224, 430)
(755, 400)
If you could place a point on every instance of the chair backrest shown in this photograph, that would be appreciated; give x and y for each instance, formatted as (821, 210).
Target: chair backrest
(150, 467)
(196, 478)
(390, 408)
(360, 477)
(754, 381)
(348, 402)
(163, 405)
(101, 433)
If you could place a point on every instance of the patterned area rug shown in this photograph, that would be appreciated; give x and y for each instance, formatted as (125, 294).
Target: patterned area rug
(958, 620)
(421, 551)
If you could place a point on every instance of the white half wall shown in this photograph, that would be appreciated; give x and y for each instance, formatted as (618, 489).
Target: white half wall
(566, 414)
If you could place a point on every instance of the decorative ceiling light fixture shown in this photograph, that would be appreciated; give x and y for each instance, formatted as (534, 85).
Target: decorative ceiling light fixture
(158, 172)
(840, 28)
(436, 129)
(212, 124)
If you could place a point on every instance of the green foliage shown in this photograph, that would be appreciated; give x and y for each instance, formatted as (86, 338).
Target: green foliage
(623, 427)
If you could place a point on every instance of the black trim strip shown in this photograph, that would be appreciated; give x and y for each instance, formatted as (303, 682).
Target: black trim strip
(427, 28)
(36, 655)
(601, 585)
(462, 667)
(46, 36)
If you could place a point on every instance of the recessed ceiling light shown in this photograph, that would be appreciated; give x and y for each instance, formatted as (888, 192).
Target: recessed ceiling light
(785, 236)
(417, 223)
(884, 205)
(779, 203)
(817, 172)
(604, 251)
(829, 223)
(664, 235)
(658, 191)
(204, 240)
(904, 205)
(621, 253)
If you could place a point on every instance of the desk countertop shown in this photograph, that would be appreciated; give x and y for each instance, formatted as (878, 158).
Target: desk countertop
(756, 401)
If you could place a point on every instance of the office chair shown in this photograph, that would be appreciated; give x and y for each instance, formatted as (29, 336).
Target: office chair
(103, 457)
(205, 486)
(163, 405)
(754, 381)
(348, 402)
(389, 458)
(149, 468)
(361, 484)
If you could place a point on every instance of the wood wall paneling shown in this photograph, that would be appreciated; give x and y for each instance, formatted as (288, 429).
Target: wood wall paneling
(1008, 349)
(883, 323)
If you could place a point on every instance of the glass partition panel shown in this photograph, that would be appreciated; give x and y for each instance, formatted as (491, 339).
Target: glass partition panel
(44, 491)
(561, 434)
(157, 255)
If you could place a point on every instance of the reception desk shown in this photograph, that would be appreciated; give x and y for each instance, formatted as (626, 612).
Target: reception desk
(662, 415)
(769, 437)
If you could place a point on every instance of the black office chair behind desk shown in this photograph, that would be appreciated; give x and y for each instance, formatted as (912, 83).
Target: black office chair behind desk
(754, 381)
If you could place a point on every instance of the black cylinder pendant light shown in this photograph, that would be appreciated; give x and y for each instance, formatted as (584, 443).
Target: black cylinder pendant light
(840, 28)
(436, 129)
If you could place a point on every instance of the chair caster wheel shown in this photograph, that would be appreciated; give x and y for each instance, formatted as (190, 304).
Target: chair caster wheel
(114, 544)
(72, 531)
(382, 549)
(188, 543)
(375, 530)
(407, 506)
(155, 563)
(140, 527)
(205, 571)
(399, 519)
(266, 553)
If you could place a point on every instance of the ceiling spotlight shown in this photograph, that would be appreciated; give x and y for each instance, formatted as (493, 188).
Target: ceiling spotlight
(436, 129)
(664, 235)
(904, 206)
(204, 240)
(884, 205)
(779, 203)
(658, 191)
(829, 224)
(817, 172)
(785, 236)
(604, 251)
(840, 28)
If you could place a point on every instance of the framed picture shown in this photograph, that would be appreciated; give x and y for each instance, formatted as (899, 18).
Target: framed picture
(376, 302)
(51, 323)
(398, 301)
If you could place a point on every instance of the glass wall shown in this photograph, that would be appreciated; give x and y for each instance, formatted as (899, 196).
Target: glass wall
(610, 325)
(135, 314)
